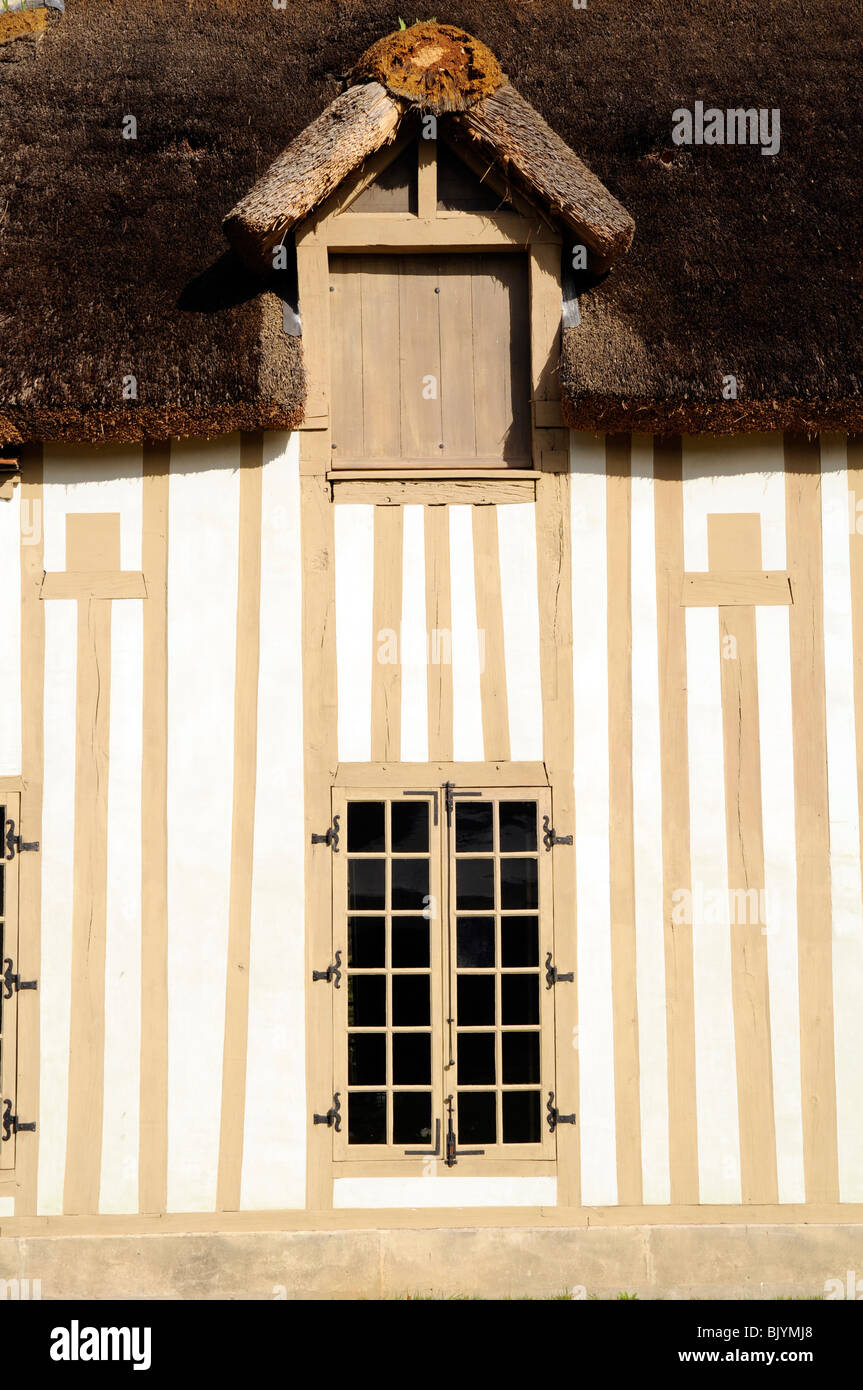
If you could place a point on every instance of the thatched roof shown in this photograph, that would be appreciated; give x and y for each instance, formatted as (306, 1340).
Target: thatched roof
(113, 261)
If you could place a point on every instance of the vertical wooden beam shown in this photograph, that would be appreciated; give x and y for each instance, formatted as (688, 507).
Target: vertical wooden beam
(386, 624)
(87, 1028)
(427, 178)
(809, 723)
(489, 617)
(734, 543)
(30, 867)
(313, 278)
(676, 872)
(153, 1155)
(242, 824)
(320, 726)
(439, 621)
(621, 830)
(554, 563)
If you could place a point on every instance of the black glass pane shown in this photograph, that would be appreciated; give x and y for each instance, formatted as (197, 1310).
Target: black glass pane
(520, 998)
(518, 883)
(367, 1001)
(411, 1059)
(366, 884)
(476, 1059)
(366, 942)
(520, 1058)
(367, 1117)
(367, 1059)
(474, 832)
(517, 826)
(410, 828)
(412, 1117)
(475, 883)
(410, 942)
(411, 1000)
(477, 1122)
(2, 870)
(410, 883)
(521, 1117)
(519, 941)
(366, 827)
(475, 1000)
(475, 942)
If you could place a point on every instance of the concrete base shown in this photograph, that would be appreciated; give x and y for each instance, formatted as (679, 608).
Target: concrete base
(686, 1262)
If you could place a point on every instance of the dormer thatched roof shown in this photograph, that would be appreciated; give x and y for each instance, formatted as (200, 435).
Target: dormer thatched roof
(445, 71)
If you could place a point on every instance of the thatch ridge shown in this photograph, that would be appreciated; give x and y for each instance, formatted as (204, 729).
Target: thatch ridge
(436, 67)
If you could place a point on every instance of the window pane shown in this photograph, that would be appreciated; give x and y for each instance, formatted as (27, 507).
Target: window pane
(518, 883)
(411, 1000)
(517, 826)
(520, 998)
(475, 942)
(520, 1058)
(367, 1117)
(476, 1118)
(521, 1117)
(410, 828)
(410, 883)
(367, 1001)
(367, 1059)
(475, 883)
(412, 1117)
(366, 942)
(366, 884)
(366, 827)
(476, 1000)
(473, 827)
(411, 1059)
(410, 942)
(519, 941)
(476, 1059)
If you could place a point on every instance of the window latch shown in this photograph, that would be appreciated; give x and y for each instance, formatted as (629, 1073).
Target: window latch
(332, 974)
(333, 1116)
(11, 1123)
(331, 838)
(550, 836)
(13, 981)
(14, 843)
(554, 1116)
(554, 977)
(453, 1152)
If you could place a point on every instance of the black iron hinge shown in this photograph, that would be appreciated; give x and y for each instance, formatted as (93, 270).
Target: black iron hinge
(11, 1123)
(14, 843)
(332, 974)
(333, 1117)
(553, 976)
(550, 836)
(331, 838)
(13, 981)
(554, 1116)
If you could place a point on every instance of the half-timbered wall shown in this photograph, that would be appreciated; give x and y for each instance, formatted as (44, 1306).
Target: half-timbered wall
(701, 738)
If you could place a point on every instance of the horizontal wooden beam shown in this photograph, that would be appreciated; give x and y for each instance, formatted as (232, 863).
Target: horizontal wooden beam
(435, 492)
(431, 775)
(736, 588)
(94, 584)
(491, 231)
(385, 475)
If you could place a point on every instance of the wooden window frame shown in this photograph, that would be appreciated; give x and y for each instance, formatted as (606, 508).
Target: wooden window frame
(525, 230)
(373, 782)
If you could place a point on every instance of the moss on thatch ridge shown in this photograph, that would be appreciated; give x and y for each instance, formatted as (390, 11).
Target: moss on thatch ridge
(434, 66)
